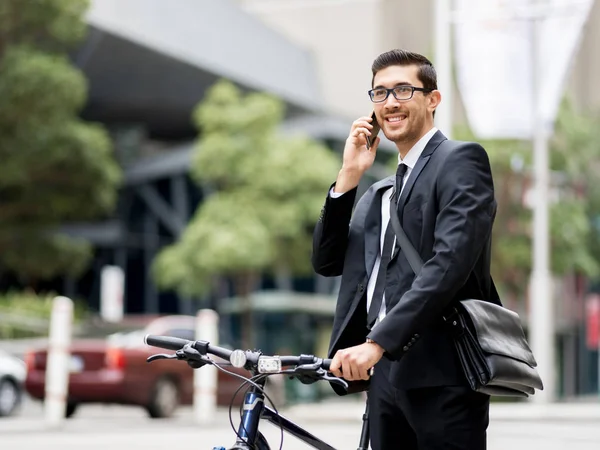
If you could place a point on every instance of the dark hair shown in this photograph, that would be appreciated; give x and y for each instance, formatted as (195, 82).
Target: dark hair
(397, 57)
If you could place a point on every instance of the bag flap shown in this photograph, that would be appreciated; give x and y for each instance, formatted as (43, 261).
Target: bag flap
(498, 330)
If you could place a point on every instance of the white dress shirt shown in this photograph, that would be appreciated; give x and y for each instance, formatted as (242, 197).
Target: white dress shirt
(410, 160)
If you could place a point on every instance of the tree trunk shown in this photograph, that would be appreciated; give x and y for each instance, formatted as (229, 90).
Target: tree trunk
(283, 278)
(245, 284)
(247, 317)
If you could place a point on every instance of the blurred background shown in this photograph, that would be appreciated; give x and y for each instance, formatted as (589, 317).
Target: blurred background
(157, 158)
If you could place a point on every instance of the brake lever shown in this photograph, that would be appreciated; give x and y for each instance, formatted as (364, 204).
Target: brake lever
(335, 380)
(310, 369)
(322, 374)
(160, 356)
(310, 373)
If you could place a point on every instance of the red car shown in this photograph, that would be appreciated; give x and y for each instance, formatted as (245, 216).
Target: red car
(114, 370)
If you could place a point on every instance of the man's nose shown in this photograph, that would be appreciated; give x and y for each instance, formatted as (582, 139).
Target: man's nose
(391, 102)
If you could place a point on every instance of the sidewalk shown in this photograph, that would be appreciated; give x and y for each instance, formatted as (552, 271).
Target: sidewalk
(351, 411)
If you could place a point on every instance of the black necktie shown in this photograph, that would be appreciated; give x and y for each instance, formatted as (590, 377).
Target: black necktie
(386, 254)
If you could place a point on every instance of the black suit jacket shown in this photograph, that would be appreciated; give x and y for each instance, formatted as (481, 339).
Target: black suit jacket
(447, 209)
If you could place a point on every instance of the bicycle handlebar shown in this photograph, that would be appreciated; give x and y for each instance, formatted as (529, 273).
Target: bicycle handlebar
(203, 347)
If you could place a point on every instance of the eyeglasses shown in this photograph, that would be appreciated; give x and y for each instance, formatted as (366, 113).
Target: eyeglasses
(404, 92)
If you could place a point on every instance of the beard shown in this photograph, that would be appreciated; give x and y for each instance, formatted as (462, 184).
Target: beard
(410, 131)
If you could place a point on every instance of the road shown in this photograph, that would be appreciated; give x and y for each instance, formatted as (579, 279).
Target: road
(125, 428)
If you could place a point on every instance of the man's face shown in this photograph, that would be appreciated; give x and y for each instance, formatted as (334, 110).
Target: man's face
(404, 121)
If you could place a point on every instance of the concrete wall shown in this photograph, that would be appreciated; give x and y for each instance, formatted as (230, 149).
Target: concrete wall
(344, 40)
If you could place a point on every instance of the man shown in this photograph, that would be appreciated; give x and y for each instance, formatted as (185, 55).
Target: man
(386, 317)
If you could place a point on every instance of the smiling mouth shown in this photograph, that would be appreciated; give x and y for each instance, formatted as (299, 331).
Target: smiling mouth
(396, 119)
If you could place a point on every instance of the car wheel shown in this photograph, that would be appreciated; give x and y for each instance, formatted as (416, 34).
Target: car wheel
(10, 397)
(70, 409)
(165, 399)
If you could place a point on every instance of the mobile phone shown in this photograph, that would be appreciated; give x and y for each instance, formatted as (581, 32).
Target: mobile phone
(374, 131)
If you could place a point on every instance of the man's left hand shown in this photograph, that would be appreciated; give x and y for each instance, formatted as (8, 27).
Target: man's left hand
(354, 363)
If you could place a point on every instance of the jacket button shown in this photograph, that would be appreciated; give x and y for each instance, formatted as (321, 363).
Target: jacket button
(417, 336)
(361, 287)
(405, 348)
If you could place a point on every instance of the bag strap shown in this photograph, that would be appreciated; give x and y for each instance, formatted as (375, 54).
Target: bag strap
(413, 257)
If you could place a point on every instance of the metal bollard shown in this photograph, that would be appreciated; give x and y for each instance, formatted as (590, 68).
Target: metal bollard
(205, 378)
(57, 367)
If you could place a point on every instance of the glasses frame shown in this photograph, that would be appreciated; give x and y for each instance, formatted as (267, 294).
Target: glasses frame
(391, 90)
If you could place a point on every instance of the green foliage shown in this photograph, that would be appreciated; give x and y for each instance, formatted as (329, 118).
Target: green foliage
(55, 168)
(27, 73)
(51, 25)
(575, 144)
(225, 236)
(27, 314)
(576, 147)
(45, 255)
(268, 191)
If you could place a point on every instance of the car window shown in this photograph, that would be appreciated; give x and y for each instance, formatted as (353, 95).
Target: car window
(181, 333)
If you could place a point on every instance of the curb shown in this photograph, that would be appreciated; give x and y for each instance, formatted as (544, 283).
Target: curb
(580, 412)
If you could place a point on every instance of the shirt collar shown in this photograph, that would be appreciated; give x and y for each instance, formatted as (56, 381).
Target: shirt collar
(415, 152)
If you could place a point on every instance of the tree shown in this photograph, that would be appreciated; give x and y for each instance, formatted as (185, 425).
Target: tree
(267, 193)
(55, 167)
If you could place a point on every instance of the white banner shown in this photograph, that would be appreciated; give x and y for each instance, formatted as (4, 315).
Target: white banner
(494, 57)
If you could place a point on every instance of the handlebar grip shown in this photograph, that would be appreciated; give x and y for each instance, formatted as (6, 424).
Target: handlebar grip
(326, 364)
(167, 342)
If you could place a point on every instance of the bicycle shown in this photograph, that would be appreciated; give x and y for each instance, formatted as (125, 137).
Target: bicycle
(307, 368)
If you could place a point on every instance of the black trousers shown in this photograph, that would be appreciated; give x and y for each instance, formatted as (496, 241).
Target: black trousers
(431, 418)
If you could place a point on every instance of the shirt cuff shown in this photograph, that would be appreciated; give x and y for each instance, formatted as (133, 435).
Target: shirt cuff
(333, 194)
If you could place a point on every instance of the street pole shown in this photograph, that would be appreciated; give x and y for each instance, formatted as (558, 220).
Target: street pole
(541, 317)
(443, 65)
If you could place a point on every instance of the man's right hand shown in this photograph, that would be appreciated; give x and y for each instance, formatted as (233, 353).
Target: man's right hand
(357, 157)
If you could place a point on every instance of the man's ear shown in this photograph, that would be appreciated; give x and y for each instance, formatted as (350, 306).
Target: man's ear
(434, 98)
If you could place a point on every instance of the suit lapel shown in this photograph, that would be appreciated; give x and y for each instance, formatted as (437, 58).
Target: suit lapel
(373, 225)
(433, 143)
